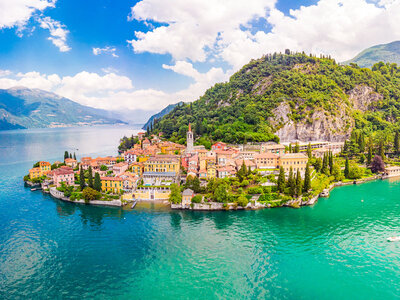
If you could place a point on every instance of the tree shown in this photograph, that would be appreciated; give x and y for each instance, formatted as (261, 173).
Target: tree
(66, 155)
(103, 168)
(90, 194)
(281, 180)
(82, 183)
(325, 167)
(369, 156)
(330, 162)
(318, 164)
(337, 172)
(355, 172)
(241, 174)
(70, 155)
(74, 156)
(90, 177)
(299, 184)
(291, 183)
(346, 168)
(97, 182)
(396, 143)
(197, 199)
(290, 148)
(297, 148)
(381, 150)
(242, 201)
(220, 194)
(309, 150)
(377, 164)
(193, 183)
(307, 179)
(175, 196)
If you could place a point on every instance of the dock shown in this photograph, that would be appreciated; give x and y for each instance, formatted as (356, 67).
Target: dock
(134, 204)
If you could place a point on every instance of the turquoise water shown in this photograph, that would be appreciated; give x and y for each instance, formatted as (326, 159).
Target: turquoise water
(51, 249)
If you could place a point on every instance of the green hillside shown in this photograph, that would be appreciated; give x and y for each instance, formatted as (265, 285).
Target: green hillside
(387, 53)
(291, 96)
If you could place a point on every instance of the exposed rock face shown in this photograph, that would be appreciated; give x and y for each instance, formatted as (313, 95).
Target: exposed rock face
(327, 128)
(362, 97)
(324, 126)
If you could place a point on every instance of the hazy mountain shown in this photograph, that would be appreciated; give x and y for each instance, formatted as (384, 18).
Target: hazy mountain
(21, 107)
(386, 53)
(160, 114)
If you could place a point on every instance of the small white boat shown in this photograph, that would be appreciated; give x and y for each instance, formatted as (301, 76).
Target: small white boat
(393, 239)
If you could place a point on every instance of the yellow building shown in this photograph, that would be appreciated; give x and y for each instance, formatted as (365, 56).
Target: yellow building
(35, 173)
(112, 184)
(143, 158)
(162, 163)
(152, 194)
(137, 168)
(211, 172)
(297, 161)
(45, 167)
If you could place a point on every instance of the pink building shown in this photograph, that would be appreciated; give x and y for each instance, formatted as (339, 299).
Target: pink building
(63, 175)
(219, 146)
(120, 168)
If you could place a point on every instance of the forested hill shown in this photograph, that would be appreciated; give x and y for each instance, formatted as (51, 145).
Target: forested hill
(291, 96)
(160, 114)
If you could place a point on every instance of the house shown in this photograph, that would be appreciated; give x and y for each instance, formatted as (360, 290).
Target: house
(130, 156)
(267, 160)
(246, 155)
(211, 171)
(225, 171)
(141, 134)
(219, 146)
(202, 174)
(86, 159)
(146, 143)
(247, 163)
(63, 174)
(187, 196)
(45, 167)
(112, 184)
(137, 168)
(162, 163)
(70, 162)
(130, 181)
(391, 171)
(298, 161)
(35, 173)
(120, 168)
(273, 148)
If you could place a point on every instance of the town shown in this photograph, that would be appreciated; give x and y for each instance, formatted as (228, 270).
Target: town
(226, 176)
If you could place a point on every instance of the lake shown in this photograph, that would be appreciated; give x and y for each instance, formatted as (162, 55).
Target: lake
(50, 249)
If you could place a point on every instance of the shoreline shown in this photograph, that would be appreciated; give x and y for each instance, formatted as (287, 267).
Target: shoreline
(213, 206)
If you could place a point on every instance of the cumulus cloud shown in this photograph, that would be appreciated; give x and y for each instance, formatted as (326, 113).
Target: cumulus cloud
(204, 29)
(18, 12)
(58, 33)
(105, 50)
(112, 91)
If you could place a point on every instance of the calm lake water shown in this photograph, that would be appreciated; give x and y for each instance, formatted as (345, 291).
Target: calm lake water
(51, 249)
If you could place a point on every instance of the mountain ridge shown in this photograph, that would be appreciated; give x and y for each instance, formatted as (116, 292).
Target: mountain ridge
(21, 107)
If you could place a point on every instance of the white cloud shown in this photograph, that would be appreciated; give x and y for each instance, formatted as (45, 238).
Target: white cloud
(112, 91)
(107, 50)
(18, 12)
(201, 30)
(193, 27)
(58, 33)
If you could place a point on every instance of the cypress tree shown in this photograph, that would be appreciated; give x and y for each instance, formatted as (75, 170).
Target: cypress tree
(299, 184)
(281, 180)
(290, 148)
(97, 182)
(291, 183)
(381, 150)
(66, 155)
(346, 168)
(309, 151)
(70, 155)
(396, 143)
(74, 156)
(307, 179)
(90, 179)
(369, 156)
(297, 148)
(330, 162)
(81, 179)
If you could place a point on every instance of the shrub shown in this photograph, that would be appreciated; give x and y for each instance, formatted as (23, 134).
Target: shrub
(90, 194)
(197, 199)
(242, 201)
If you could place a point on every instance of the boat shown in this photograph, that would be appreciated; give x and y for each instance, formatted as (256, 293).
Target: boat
(393, 239)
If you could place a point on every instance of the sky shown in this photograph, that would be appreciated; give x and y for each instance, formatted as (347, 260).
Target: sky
(140, 56)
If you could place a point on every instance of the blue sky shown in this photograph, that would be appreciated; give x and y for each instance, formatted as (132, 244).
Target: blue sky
(157, 52)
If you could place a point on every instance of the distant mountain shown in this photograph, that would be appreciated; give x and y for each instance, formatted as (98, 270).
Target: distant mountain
(21, 107)
(386, 53)
(161, 114)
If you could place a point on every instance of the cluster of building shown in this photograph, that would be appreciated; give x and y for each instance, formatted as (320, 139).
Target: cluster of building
(148, 169)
